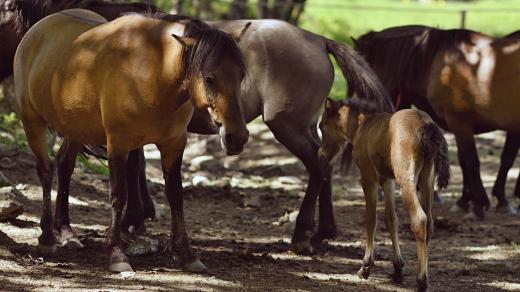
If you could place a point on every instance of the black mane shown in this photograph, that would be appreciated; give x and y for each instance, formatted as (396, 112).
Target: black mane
(402, 56)
(212, 46)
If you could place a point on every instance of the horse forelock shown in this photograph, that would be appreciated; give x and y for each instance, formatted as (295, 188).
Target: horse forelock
(403, 55)
(211, 49)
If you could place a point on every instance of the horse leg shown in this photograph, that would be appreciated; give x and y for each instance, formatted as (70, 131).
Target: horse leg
(463, 202)
(117, 163)
(36, 131)
(471, 168)
(506, 162)
(517, 189)
(392, 224)
(370, 188)
(326, 224)
(301, 143)
(134, 214)
(66, 161)
(171, 159)
(418, 223)
(148, 205)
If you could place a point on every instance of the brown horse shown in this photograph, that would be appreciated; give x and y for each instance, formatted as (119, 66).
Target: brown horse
(280, 58)
(462, 79)
(129, 82)
(406, 147)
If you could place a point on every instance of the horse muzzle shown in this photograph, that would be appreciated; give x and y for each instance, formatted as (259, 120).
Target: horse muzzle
(233, 143)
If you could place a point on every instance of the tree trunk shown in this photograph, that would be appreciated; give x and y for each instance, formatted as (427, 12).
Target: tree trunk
(263, 9)
(238, 9)
(179, 6)
(278, 9)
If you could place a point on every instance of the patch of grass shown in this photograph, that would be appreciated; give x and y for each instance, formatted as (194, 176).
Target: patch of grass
(94, 167)
(11, 131)
(342, 19)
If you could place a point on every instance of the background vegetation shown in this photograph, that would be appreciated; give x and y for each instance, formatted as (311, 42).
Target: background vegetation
(343, 19)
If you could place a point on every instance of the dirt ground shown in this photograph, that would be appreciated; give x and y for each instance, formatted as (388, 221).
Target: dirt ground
(240, 212)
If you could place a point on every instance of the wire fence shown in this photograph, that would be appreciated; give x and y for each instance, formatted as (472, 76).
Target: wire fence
(463, 13)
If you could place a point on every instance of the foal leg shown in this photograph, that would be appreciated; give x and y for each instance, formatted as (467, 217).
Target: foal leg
(506, 162)
(370, 188)
(66, 161)
(392, 224)
(36, 131)
(171, 159)
(301, 143)
(418, 222)
(426, 183)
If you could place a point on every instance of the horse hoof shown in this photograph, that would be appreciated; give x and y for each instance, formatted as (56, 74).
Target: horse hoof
(47, 250)
(303, 248)
(422, 284)
(364, 272)
(479, 212)
(506, 209)
(72, 243)
(120, 267)
(195, 267)
(397, 278)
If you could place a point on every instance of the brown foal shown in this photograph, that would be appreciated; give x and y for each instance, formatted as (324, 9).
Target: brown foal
(406, 147)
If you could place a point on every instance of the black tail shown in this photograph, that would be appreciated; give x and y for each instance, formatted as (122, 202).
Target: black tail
(434, 147)
(99, 152)
(360, 77)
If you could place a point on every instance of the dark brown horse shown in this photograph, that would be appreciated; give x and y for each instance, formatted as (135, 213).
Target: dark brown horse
(290, 109)
(454, 76)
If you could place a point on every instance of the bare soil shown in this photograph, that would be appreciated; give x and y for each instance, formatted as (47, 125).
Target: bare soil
(240, 215)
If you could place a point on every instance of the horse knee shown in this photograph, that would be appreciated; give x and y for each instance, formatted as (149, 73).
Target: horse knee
(418, 225)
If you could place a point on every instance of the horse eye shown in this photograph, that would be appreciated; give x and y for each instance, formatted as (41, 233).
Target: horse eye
(210, 80)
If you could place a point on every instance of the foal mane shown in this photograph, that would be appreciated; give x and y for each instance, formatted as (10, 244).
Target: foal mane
(27, 12)
(406, 53)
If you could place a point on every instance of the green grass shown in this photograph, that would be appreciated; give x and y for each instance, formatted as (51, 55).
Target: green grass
(337, 20)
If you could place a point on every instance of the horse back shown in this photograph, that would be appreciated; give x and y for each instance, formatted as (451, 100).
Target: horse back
(41, 69)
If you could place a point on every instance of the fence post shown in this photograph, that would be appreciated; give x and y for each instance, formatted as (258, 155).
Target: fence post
(463, 18)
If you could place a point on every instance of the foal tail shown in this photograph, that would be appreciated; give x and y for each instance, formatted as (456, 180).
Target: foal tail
(434, 147)
(360, 77)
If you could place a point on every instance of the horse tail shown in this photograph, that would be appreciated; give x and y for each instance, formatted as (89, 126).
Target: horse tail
(97, 151)
(360, 77)
(435, 148)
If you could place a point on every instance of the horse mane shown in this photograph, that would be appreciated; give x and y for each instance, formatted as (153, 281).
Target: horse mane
(211, 48)
(406, 53)
(27, 12)
(361, 105)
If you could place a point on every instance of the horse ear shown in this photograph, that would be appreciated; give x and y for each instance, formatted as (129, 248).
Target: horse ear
(361, 118)
(237, 34)
(186, 42)
(354, 41)
(329, 104)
